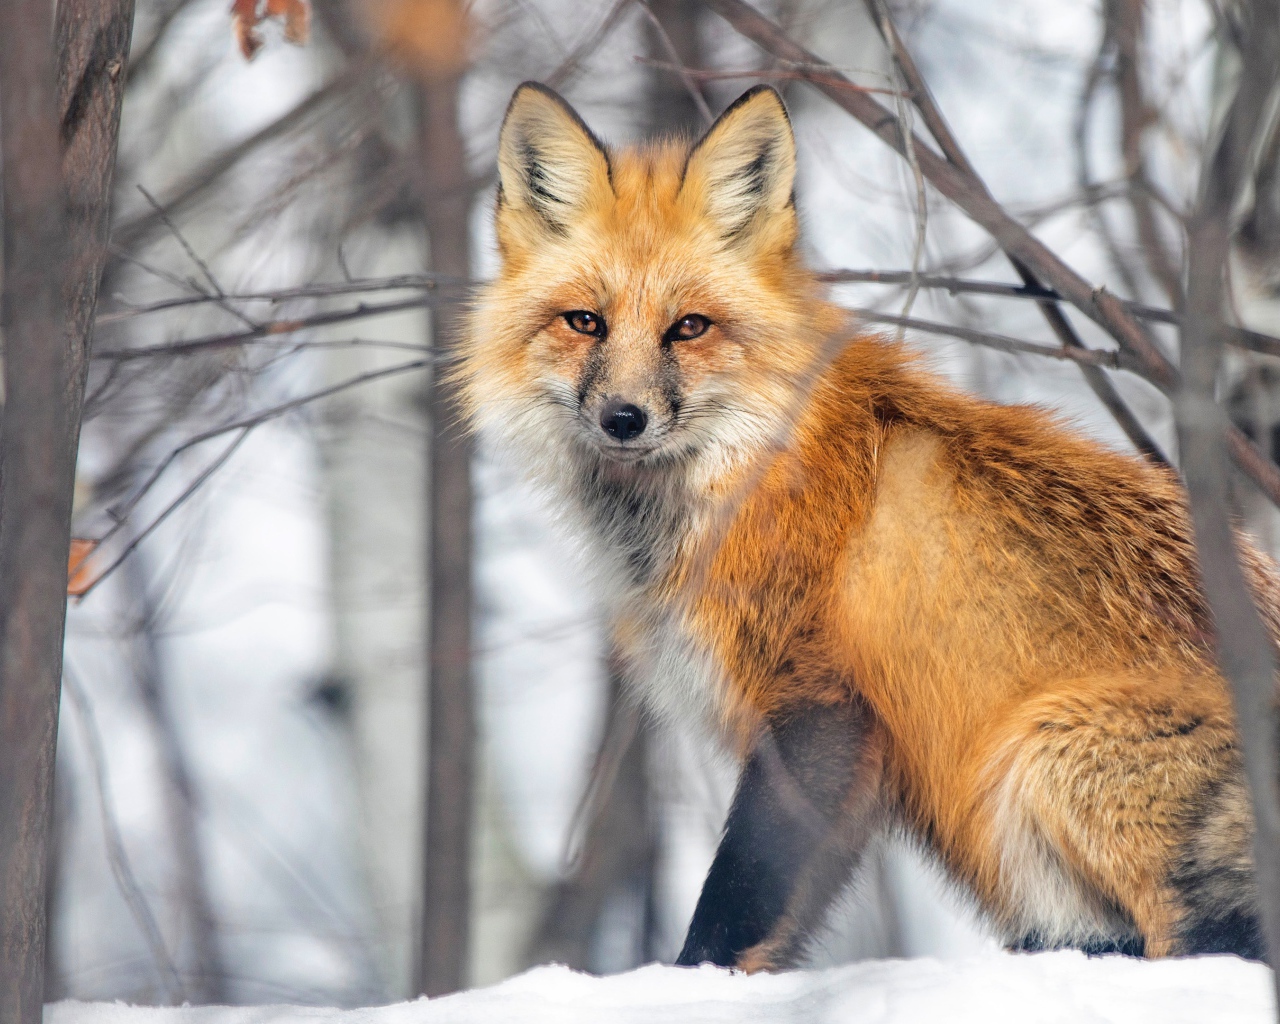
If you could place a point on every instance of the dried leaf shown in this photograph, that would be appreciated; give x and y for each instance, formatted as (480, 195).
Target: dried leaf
(296, 16)
(247, 15)
(79, 568)
(244, 25)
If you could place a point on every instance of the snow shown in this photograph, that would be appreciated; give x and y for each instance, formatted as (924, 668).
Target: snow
(1042, 988)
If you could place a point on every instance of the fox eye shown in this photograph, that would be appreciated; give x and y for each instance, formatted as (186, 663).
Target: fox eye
(692, 326)
(584, 322)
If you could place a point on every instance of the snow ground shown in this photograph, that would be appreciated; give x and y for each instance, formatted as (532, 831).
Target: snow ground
(1043, 988)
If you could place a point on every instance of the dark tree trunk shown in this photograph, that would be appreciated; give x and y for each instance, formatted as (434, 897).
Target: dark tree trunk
(446, 882)
(673, 108)
(56, 119)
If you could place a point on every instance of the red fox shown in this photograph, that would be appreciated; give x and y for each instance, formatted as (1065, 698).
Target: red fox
(906, 608)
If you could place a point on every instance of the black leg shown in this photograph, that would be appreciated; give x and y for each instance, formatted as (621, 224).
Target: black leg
(792, 793)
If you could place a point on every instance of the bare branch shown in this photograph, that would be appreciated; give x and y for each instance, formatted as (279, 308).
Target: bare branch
(974, 199)
(1112, 359)
(950, 146)
(245, 424)
(402, 282)
(1245, 650)
(778, 74)
(1241, 337)
(673, 55)
(135, 232)
(117, 854)
(271, 328)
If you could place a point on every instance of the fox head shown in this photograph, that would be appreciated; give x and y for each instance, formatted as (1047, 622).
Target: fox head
(652, 311)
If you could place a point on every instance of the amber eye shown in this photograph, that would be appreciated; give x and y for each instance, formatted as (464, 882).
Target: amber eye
(692, 326)
(585, 323)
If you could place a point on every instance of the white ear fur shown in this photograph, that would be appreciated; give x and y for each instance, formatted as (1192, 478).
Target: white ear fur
(746, 163)
(548, 159)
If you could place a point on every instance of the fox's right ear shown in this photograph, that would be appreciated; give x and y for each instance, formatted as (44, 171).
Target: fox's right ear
(549, 162)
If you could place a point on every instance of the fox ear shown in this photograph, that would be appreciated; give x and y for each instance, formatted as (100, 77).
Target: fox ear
(549, 162)
(746, 163)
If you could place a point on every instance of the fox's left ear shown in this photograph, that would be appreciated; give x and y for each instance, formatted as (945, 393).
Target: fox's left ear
(746, 163)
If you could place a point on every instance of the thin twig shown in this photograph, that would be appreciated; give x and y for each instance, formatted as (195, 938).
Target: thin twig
(271, 328)
(938, 127)
(132, 233)
(691, 86)
(1240, 337)
(169, 509)
(218, 297)
(783, 74)
(246, 424)
(117, 854)
(972, 196)
(1112, 359)
(352, 286)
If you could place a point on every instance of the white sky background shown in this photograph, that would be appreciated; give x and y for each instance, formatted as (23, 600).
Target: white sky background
(247, 625)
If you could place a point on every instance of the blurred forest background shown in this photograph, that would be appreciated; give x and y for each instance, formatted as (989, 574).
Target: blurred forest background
(243, 760)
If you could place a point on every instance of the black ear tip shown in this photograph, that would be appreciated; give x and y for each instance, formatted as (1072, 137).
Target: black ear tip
(532, 86)
(751, 95)
(762, 87)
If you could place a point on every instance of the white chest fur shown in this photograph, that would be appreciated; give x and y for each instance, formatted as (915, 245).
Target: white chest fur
(677, 678)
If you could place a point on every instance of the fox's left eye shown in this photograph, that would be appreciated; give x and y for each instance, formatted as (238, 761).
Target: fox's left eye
(692, 326)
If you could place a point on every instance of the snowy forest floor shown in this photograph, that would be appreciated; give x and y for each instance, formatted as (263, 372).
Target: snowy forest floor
(1043, 988)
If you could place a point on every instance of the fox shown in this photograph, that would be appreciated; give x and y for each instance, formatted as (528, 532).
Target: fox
(903, 608)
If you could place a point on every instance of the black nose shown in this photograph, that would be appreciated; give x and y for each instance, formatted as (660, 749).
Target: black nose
(623, 420)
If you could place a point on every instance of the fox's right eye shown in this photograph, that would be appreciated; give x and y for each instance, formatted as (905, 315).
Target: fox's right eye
(585, 323)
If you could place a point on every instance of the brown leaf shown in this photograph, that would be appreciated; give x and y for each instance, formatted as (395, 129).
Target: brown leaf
(244, 25)
(247, 15)
(296, 15)
(79, 569)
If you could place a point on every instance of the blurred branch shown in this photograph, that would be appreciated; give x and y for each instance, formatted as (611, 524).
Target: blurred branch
(209, 984)
(1126, 27)
(117, 855)
(1112, 359)
(951, 149)
(271, 329)
(783, 73)
(1241, 337)
(244, 425)
(617, 845)
(1245, 651)
(401, 282)
(143, 55)
(972, 196)
(134, 233)
(673, 55)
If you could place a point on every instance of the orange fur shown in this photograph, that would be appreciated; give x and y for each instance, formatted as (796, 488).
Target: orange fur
(1019, 606)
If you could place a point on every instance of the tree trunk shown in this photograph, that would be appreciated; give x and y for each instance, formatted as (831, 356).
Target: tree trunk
(446, 883)
(49, 291)
(1244, 649)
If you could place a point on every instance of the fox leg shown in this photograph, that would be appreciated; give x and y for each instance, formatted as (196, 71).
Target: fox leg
(805, 806)
(1120, 822)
